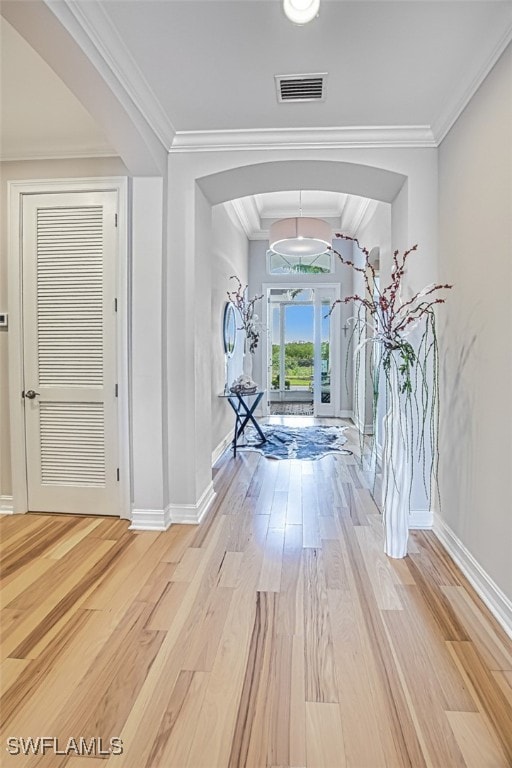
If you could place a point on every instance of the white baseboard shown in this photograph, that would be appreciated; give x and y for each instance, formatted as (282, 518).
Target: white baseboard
(161, 519)
(421, 519)
(366, 429)
(496, 600)
(6, 505)
(150, 519)
(219, 450)
(192, 514)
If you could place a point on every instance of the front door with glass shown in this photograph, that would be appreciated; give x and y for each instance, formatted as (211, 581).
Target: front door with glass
(303, 364)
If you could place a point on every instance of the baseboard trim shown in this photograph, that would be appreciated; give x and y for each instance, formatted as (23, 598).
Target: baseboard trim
(421, 519)
(219, 450)
(366, 429)
(6, 505)
(150, 520)
(192, 514)
(184, 514)
(496, 600)
(345, 414)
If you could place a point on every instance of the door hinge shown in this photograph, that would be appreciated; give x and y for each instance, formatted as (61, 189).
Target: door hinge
(115, 219)
(117, 474)
(117, 390)
(115, 305)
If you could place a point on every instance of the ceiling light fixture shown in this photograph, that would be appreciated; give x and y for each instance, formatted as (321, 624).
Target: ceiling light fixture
(301, 11)
(300, 236)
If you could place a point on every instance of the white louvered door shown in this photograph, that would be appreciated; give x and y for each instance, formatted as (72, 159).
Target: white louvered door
(69, 278)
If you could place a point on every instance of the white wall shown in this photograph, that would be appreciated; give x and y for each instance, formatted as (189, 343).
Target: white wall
(147, 350)
(229, 254)
(475, 217)
(18, 171)
(188, 344)
(375, 233)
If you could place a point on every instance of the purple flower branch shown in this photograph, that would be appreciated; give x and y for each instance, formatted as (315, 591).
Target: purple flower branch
(392, 317)
(246, 308)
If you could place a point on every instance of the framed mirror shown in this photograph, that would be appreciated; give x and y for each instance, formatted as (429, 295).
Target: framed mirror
(229, 329)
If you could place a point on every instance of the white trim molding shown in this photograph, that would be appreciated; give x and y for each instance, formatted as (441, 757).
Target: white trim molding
(192, 514)
(421, 519)
(184, 514)
(248, 218)
(304, 138)
(80, 153)
(498, 603)
(6, 505)
(222, 446)
(97, 35)
(150, 520)
(461, 98)
(365, 429)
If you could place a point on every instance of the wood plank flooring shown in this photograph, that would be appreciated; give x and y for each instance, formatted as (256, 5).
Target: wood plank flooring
(274, 635)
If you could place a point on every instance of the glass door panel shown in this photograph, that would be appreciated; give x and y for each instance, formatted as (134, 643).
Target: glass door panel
(325, 352)
(302, 368)
(299, 320)
(275, 362)
(324, 370)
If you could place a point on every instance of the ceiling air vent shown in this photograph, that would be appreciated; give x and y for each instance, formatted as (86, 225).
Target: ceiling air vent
(301, 87)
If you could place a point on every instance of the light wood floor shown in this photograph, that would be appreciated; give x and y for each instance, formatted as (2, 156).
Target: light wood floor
(275, 634)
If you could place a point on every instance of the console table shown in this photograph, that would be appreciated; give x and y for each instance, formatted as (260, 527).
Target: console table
(244, 406)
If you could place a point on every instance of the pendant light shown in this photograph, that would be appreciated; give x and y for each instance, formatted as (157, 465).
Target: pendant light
(300, 236)
(301, 11)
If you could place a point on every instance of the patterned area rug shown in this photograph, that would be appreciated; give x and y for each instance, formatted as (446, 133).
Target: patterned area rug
(285, 442)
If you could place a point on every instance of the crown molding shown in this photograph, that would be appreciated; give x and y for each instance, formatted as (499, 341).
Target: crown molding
(458, 102)
(354, 211)
(303, 138)
(237, 217)
(68, 153)
(364, 213)
(116, 64)
(246, 212)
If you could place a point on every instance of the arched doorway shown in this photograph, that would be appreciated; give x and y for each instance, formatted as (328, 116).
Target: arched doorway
(195, 185)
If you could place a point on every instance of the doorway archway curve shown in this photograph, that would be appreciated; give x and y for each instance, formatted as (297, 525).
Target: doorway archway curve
(282, 175)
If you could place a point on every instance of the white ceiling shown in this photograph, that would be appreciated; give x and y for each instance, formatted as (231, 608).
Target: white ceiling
(211, 63)
(345, 213)
(194, 67)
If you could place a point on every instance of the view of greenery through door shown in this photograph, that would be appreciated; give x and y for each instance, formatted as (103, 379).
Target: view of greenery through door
(293, 348)
(298, 352)
(300, 364)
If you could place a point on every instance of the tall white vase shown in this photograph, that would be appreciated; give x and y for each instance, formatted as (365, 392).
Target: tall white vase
(396, 472)
(247, 363)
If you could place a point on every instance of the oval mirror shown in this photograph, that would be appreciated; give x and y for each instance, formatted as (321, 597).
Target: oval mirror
(229, 329)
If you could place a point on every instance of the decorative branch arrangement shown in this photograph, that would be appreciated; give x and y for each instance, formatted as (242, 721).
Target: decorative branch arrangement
(411, 369)
(388, 318)
(245, 306)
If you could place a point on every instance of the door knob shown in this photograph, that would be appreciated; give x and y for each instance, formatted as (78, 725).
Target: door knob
(31, 394)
